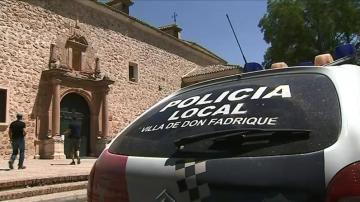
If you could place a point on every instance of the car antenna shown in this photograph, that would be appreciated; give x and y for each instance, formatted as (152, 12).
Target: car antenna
(236, 38)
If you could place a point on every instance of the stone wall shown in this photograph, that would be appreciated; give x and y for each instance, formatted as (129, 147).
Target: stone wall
(27, 28)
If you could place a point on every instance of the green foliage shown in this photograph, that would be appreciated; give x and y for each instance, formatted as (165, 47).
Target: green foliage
(300, 29)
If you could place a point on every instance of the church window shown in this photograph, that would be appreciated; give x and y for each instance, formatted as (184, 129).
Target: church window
(133, 72)
(3, 105)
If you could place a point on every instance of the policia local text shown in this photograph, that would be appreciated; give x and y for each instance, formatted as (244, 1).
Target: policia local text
(282, 91)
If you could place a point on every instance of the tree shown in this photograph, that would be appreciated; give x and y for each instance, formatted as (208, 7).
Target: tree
(297, 30)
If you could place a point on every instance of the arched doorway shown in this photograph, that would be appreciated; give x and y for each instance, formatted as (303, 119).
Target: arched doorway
(74, 105)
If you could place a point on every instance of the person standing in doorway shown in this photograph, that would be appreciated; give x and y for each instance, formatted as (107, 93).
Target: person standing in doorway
(17, 137)
(75, 138)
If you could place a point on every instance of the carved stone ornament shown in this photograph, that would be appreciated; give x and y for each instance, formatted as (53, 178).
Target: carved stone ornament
(54, 61)
(97, 73)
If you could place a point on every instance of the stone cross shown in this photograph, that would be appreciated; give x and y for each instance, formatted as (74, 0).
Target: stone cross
(174, 17)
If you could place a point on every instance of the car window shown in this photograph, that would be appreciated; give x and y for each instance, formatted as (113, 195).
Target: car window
(293, 102)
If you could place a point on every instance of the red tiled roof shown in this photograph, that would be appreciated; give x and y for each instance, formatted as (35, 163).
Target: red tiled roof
(209, 69)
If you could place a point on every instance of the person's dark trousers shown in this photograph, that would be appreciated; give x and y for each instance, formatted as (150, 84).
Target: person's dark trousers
(18, 145)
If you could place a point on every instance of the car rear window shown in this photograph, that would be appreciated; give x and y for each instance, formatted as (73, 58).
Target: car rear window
(291, 102)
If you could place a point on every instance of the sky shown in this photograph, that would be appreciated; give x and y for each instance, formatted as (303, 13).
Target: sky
(204, 22)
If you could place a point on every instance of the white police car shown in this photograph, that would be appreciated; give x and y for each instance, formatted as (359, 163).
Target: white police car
(290, 134)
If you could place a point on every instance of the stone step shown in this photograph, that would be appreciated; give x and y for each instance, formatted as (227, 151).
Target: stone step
(41, 181)
(69, 196)
(41, 190)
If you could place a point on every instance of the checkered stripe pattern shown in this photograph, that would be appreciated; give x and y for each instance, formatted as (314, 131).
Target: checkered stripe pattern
(187, 180)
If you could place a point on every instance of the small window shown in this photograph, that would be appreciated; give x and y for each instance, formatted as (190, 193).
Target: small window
(133, 72)
(3, 105)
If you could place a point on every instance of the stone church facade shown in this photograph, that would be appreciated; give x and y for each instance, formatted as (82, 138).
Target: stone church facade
(61, 59)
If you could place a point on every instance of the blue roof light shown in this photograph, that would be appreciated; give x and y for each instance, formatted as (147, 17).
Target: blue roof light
(306, 63)
(344, 50)
(252, 66)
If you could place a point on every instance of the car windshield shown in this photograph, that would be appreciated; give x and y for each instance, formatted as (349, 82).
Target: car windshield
(269, 115)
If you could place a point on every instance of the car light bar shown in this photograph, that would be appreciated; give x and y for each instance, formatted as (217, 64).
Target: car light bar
(278, 65)
(344, 54)
(306, 63)
(252, 66)
(324, 59)
(345, 50)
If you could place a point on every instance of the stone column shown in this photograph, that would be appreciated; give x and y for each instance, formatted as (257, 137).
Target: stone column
(53, 148)
(101, 142)
(105, 114)
(56, 108)
(94, 128)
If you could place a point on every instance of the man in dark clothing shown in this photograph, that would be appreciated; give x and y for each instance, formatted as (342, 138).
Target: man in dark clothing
(17, 134)
(75, 137)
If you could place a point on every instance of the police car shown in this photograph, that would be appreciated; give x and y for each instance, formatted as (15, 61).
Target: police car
(288, 134)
